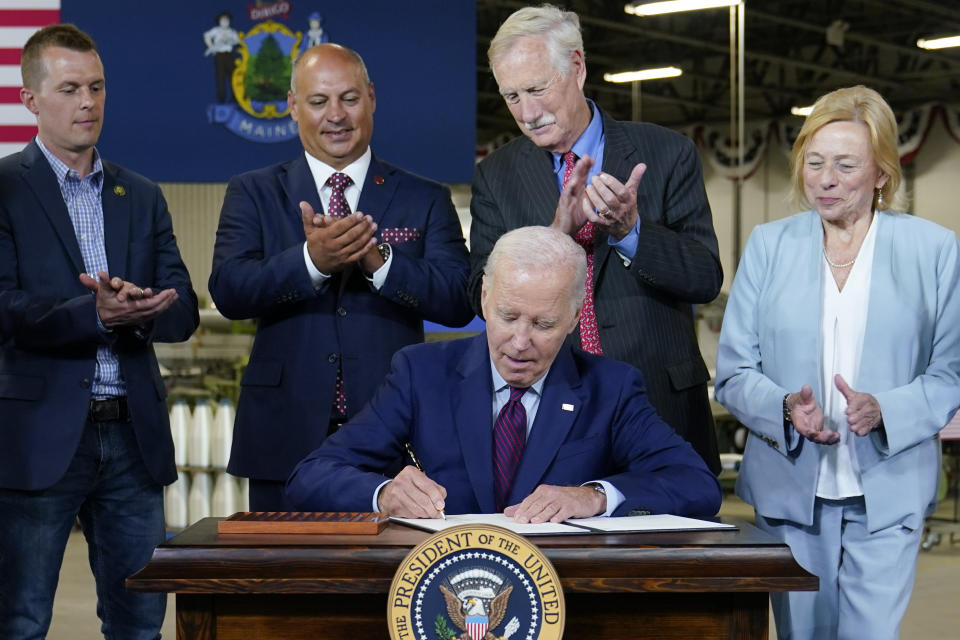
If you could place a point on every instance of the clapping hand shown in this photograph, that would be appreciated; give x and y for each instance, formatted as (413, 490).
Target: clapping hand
(807, 417)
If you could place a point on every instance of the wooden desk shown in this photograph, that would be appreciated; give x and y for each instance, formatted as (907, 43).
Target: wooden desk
(710, 584)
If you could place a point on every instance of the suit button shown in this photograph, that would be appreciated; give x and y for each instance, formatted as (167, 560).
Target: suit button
(341, 312)
(332, 358)
(85, 383)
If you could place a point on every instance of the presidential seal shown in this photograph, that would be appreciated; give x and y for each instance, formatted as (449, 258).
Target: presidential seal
(252, 88)
(475, 582)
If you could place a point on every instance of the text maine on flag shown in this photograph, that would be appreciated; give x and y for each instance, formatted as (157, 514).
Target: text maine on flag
(19, 19)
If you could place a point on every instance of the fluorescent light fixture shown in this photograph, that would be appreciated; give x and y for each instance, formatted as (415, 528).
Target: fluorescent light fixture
(673, 6)
(939, 43)
(643, 74)
(801, 111)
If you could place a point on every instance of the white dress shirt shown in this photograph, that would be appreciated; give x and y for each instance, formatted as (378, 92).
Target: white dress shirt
(357, 170)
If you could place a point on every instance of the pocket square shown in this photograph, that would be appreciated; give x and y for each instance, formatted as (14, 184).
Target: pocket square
(396, 235)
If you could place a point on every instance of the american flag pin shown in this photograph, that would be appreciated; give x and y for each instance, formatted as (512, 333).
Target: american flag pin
(566, 407)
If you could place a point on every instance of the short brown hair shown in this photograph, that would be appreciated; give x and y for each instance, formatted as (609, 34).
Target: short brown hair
(55, 35)
(854, 104)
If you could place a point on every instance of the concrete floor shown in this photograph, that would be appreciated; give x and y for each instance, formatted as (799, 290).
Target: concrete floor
(933, 613)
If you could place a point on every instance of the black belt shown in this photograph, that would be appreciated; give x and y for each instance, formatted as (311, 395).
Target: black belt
(109, 410)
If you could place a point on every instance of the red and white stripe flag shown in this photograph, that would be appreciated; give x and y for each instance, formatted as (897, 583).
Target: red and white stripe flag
(19, 19)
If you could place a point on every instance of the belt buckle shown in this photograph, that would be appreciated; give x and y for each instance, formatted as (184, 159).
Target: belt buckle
(105, 410)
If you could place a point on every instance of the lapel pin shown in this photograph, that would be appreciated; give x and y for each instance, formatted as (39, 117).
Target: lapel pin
(566, 407)
(120, 191)
(378, 179)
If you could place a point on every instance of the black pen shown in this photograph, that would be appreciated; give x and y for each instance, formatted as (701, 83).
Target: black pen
(416, 463)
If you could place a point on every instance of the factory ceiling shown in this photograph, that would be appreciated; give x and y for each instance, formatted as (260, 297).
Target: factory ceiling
(795, 50)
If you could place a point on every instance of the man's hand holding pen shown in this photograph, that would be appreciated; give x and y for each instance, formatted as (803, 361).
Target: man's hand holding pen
(411, 494)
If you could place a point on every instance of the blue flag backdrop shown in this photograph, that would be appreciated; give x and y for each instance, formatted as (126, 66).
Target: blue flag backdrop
(166, 117)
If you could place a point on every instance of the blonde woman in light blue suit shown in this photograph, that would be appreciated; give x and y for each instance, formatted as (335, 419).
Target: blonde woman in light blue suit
(840, 352)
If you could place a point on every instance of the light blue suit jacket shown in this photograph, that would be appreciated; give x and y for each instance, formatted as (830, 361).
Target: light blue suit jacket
(770, 346)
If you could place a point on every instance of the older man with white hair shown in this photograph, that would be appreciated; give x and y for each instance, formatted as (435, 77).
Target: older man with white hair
(630, 193)
(512, 420)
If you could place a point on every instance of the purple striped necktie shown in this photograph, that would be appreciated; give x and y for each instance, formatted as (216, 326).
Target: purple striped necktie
(509, 437)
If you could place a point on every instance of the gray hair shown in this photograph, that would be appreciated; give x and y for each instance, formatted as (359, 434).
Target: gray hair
(560, 31)
(539, 249)
(349, 53)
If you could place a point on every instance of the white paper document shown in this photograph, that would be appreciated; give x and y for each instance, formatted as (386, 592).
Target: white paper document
(498, 519)
(659, 522)
(625, 524)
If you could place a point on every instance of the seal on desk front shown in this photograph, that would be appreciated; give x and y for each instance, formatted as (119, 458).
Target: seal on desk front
(476, 582)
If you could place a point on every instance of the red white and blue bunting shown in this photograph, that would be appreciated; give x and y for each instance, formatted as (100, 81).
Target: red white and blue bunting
(951, 116)
(913, 128)
(714, 141)
(722, 154)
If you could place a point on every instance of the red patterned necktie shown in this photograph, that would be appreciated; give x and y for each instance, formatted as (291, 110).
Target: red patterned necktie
(585, 237)
(338, 207)
(509, 437)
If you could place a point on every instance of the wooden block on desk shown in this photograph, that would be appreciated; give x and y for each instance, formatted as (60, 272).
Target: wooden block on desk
(353, 522)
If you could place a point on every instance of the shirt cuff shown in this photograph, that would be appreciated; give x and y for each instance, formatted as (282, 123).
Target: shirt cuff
(614, 497)
(316, 276)
(100, 326)
(792, 437)
(376, 494)
(627, 247)
(380, 275)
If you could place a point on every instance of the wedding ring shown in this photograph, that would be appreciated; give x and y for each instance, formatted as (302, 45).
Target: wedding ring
(141, 292)
(605, 214)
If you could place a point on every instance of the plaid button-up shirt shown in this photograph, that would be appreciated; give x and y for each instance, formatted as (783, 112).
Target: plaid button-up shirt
(85, 206)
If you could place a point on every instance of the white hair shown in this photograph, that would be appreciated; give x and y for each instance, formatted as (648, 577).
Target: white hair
(537, 250)
(560, 31)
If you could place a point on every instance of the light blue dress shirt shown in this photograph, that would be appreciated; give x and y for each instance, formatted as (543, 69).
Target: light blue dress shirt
(85, 207)
(531, 403)
(591, 143)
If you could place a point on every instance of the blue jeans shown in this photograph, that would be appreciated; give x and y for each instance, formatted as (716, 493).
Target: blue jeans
(120, 508)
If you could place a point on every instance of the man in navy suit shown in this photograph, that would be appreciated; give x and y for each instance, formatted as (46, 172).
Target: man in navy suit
(335, 295)
(90, 277)
(512, 420)
(630, 192)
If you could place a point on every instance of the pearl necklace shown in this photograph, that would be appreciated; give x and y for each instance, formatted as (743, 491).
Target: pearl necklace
(834, 264)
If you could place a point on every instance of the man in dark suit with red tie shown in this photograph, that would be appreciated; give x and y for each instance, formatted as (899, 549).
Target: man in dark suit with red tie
(632, 195)
(340, 257)
(513, 420)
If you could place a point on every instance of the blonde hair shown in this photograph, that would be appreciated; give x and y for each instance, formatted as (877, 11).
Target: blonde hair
(854, 104)
(560, 31)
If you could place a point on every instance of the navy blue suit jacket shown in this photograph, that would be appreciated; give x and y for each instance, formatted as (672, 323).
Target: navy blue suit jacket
(48, 319)
(305, 334)
(644, 312)
(438, 397)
